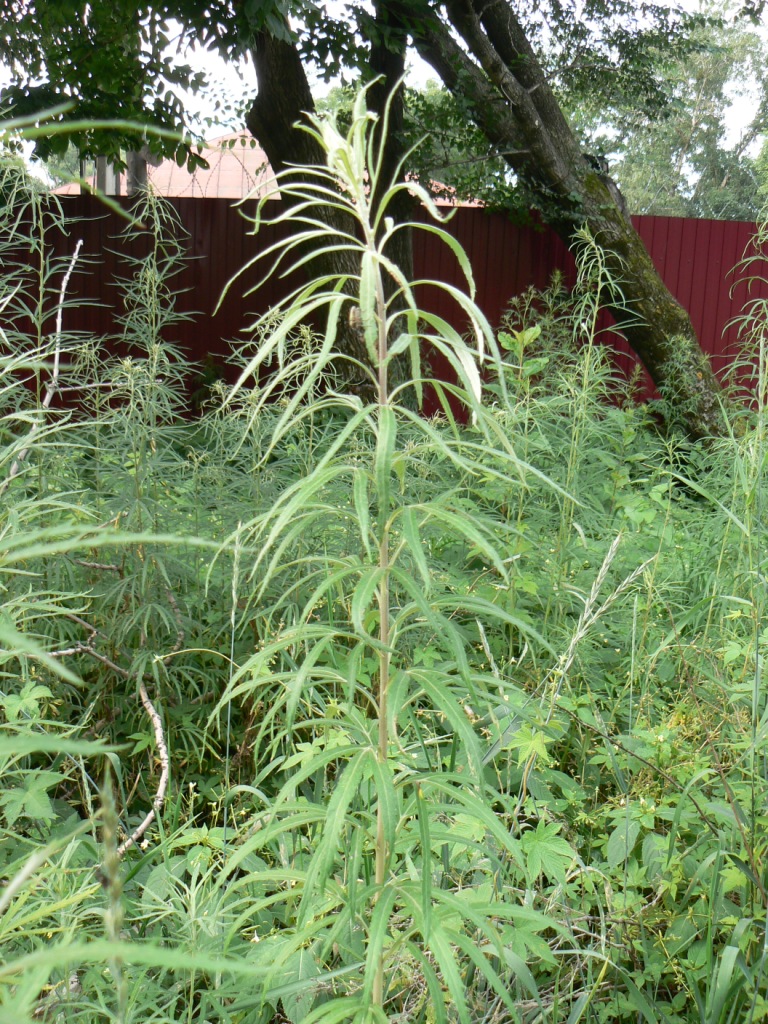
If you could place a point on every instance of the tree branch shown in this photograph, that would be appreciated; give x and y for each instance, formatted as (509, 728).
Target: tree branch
(162, 751)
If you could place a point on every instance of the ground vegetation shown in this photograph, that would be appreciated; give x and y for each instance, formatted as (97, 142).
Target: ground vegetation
(317, 710)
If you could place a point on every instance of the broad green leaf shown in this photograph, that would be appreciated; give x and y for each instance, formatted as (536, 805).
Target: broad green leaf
(546, 853)
(621, 841)
(299, 967)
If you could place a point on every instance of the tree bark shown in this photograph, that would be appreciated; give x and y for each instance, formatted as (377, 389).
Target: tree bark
(281, 105)
(513, 104)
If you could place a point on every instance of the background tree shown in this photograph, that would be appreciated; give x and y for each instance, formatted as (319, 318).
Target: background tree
(684, 159)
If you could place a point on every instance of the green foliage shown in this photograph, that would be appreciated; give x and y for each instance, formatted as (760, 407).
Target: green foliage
(464, 716)
(683, 159)
(448, 154)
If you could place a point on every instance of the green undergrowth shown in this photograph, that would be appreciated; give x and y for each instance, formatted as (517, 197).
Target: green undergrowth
(464, 721)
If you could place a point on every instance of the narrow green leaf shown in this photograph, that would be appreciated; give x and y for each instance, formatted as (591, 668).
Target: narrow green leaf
(31, 743)
(335, 1010)
(327, 852)
(456, 248)
(363, 595)
(462, 526)
(640, 1003)
(578, 1008)
(387, 804)
(368, 280)
(440, 945)
(456, 789)
(426, 864)
(434, 986)
(362, 507)
(413, 540)
(433, 684)
(385, 446)
(377, 936)
(485, 967)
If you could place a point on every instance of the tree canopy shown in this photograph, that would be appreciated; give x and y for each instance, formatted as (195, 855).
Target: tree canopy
(105, 60)
(688, 158)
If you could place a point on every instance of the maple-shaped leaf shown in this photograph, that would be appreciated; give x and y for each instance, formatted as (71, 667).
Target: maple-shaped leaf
(546, 852)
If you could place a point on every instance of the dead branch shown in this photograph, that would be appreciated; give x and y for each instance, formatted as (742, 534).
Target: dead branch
(154, 717)
(162, 751)
(180, 636)
(105, 566)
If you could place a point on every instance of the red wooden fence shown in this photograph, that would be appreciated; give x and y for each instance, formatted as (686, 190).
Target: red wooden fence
(694, 257)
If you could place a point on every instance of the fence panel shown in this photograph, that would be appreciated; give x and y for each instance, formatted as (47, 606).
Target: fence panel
(695, 258)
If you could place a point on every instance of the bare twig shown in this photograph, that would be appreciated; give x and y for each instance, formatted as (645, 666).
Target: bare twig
(53, 383)
(97, 565)
(82, 648)
(180, 636)
(157, 724)
(162, 751)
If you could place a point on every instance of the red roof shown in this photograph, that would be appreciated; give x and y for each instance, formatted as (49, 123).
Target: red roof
(237, 167)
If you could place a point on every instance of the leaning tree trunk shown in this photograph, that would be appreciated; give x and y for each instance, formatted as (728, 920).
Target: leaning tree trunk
(513, 104)
(282, 103)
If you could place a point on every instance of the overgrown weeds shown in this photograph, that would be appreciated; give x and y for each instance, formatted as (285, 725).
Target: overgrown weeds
(459, 720)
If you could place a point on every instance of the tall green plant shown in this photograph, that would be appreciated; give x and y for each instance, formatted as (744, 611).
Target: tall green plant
(381, 818)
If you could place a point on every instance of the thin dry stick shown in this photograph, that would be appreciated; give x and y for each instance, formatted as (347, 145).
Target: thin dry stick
(162, 751)
(53, 383)
(162, 747)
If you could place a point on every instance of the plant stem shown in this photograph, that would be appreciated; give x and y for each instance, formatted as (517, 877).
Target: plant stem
(384, 614)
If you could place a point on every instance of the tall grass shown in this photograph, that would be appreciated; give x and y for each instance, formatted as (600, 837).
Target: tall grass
(459, 719)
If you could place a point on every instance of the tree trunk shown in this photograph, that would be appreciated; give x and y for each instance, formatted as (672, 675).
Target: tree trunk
(107, 178)
(283, 101)
(136, 172)
(513, 104)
